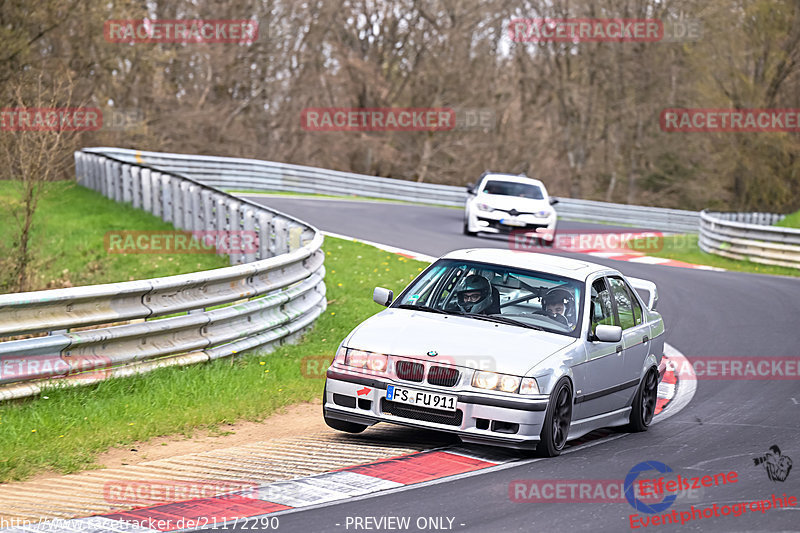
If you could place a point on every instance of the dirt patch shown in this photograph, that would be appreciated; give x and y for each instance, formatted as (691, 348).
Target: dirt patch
(295, 420)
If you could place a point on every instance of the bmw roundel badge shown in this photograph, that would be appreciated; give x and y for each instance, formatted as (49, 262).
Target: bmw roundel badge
(433, 353)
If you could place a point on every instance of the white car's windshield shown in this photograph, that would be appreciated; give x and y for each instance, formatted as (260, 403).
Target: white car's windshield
(497, 293)
(511, 188)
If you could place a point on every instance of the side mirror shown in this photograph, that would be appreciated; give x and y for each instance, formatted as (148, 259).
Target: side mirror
(383, 296)
(553, 201)
(606, 333)
(470, 190)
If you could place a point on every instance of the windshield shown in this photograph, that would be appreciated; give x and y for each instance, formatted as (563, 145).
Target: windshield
(482, 291)
(511, 188)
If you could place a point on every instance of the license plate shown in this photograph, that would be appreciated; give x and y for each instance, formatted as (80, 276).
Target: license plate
(512, 222)
(445, 402)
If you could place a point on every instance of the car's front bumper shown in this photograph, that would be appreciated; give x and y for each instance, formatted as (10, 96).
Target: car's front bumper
(479, 417)
(493, 222)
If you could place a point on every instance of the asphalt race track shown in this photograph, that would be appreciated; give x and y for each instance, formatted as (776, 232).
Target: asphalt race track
(708, 314)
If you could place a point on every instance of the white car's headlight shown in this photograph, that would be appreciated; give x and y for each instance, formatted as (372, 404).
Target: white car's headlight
(494, 381)
(483, 207)
(529, 386)
(341, 355)
(542, 214)
(377, 362)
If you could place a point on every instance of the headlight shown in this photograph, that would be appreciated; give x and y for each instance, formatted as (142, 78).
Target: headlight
(356, 358)
(341, 355)
(494, 381)
(376, 362)
(542, 214)
(529, 386)
(484, 207)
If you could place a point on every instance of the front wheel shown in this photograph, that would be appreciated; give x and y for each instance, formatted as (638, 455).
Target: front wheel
(557, 420)
(467, 231)
(644, 402)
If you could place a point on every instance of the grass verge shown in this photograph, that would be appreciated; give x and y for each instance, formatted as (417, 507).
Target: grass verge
(63, 430)
(68, 233)
(792, 220)
(685, 248)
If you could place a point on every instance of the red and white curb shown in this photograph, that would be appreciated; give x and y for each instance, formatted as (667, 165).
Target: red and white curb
(635, 257)
(354, 482)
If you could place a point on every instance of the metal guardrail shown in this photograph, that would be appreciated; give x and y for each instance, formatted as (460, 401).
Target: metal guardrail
(251, 174)
(723, 234)
(273, 294)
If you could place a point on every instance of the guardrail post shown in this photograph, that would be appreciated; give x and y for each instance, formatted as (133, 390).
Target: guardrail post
(127, 187)
(235, 225)
(197, 218)
(136, 186)
(247, 240)
(280, 243)
(106, 184)
(264, 234)
(166, 197)
(177, 203)
(116, 170)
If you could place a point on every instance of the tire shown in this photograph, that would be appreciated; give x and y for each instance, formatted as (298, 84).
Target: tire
(556, 421)
(467, 231)
(340, 425)
(644, 403)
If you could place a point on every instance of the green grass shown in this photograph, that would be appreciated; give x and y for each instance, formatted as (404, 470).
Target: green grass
(685, 248)
(64, 429)
(791, 221)
(68, 240)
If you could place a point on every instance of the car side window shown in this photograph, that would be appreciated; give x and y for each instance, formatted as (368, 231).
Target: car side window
(628, 308)
(601, 311)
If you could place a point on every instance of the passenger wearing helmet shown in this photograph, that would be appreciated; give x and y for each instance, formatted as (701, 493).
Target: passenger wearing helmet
(476, 296)
(557, 305)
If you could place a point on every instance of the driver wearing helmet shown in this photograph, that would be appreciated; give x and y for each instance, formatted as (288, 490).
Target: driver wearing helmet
(476, 295)
(556, 303)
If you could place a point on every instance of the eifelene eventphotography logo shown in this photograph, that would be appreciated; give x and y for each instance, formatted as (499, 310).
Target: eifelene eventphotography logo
(777, 466)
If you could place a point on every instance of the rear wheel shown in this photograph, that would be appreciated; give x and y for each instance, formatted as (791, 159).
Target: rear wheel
(557, 420)
(644, 402)
(340, 425)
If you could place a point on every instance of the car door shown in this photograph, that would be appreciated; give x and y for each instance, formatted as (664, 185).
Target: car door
(635, 334)
(600, 372)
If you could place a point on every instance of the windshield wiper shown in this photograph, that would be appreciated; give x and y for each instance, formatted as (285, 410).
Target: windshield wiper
(505, 320)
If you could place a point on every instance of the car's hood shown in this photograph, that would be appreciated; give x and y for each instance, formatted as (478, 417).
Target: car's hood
(457, 340)
(527, 205)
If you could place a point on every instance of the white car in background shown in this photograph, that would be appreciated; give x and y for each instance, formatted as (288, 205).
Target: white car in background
(500, 203)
